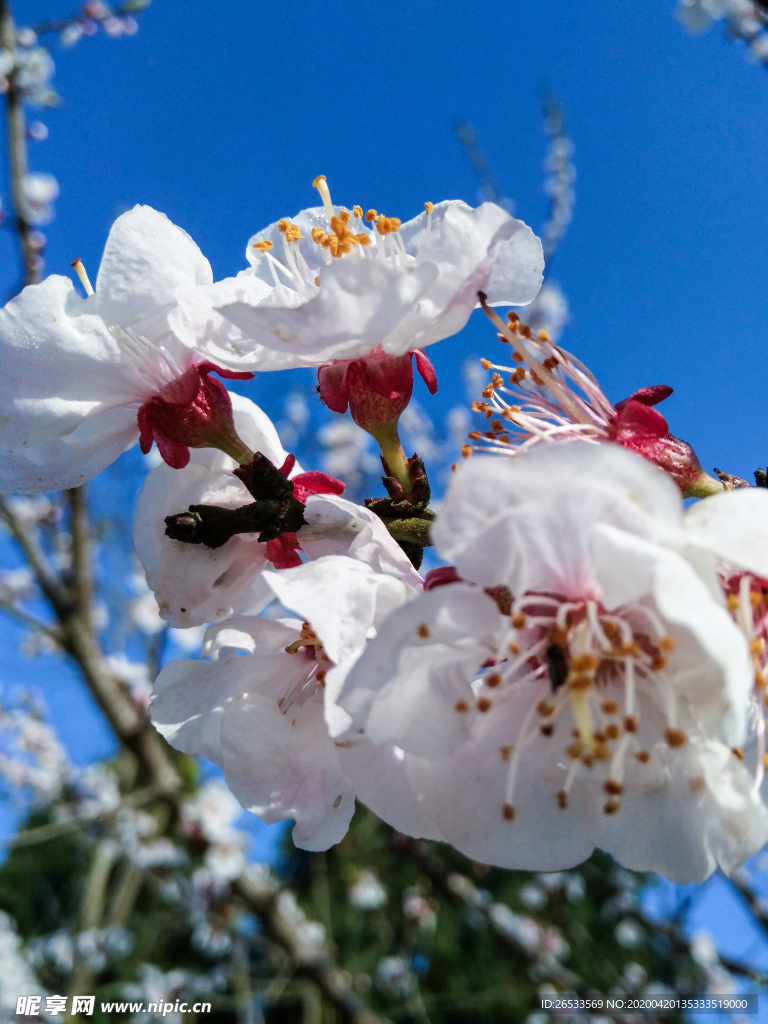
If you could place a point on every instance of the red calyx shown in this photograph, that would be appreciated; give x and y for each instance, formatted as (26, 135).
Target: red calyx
(644, 430)
(376, 388)
(193, 411)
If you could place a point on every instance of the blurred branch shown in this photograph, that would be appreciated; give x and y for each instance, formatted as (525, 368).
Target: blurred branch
(468, 141)
(282, 920)
(17, 151)
(740, 882)
(120, 11)
(462, 888)
(559, 182)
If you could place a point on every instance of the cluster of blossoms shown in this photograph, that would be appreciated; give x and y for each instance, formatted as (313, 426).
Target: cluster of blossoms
(588, 667)
(744, 19)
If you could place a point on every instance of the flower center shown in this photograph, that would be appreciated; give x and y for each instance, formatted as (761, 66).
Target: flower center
(346, 236)
(589, 674)
(300, 692)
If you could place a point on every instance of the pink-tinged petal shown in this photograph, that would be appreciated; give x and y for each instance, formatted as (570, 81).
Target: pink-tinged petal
(332, 379)
(648, 396)
(426, 370)
(315, 482)
(283, 551)
(287, 466)
(439, 577)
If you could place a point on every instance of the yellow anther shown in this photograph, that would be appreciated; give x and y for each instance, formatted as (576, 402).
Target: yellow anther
(282, 226)
(461, 706)
(363, 238)
(613, 787)
(675, 737)
(343, 216)
(386, 225)
(760, 679)
(545, 709)
(513, 647)
(474, 435)
(264, 246)
(573, 750)
(493, 680)
(757, 646)
(318, 235)
(733, 603)
(466, 451)
(357, 211)
(371, 216)
(611, 805)
(429, 207)
(292, 233)
(667, 643)
(506, 753)
(484, 704)
(755, 598)
(658, 663)
(610, 707)
(543, 336)
(585, 662)
(612, 731)
(508, 812)
(84, 279)
(486, 364)
(512, 317)
(630, 723)
(643, 756)
(738, 753)
(321, 185)
(424, 631)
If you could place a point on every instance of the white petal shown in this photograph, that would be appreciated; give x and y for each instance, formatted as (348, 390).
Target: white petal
(466, 792)
(527, 522)
(194, 584)
(145, 259)
(60, 364)
(285, 766)
(518, 270)
(336, 526)
(340, 598)
(71, 460)
(380, 778)
(404, 687)
(706, 815)
(360, 302)
(189, 700)
(630, 567)
(734, 526)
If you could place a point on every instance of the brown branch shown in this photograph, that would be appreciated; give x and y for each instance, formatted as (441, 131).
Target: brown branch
(283, 921)
(17, 150)
(739, 881)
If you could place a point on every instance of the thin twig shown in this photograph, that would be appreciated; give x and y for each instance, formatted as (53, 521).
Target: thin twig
(17, 150)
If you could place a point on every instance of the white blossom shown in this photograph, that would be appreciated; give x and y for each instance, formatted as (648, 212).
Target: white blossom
(398, 286)
(600, 704)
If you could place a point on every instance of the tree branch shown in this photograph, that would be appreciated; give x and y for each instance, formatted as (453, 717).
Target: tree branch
(17, 151)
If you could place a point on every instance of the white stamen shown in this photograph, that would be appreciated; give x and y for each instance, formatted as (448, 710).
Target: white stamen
(84, 279)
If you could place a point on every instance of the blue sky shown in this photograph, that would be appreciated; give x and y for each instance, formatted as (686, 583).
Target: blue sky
(222, 114)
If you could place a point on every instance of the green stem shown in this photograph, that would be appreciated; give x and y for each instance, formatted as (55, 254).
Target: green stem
(388, 440)
(704, 487)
